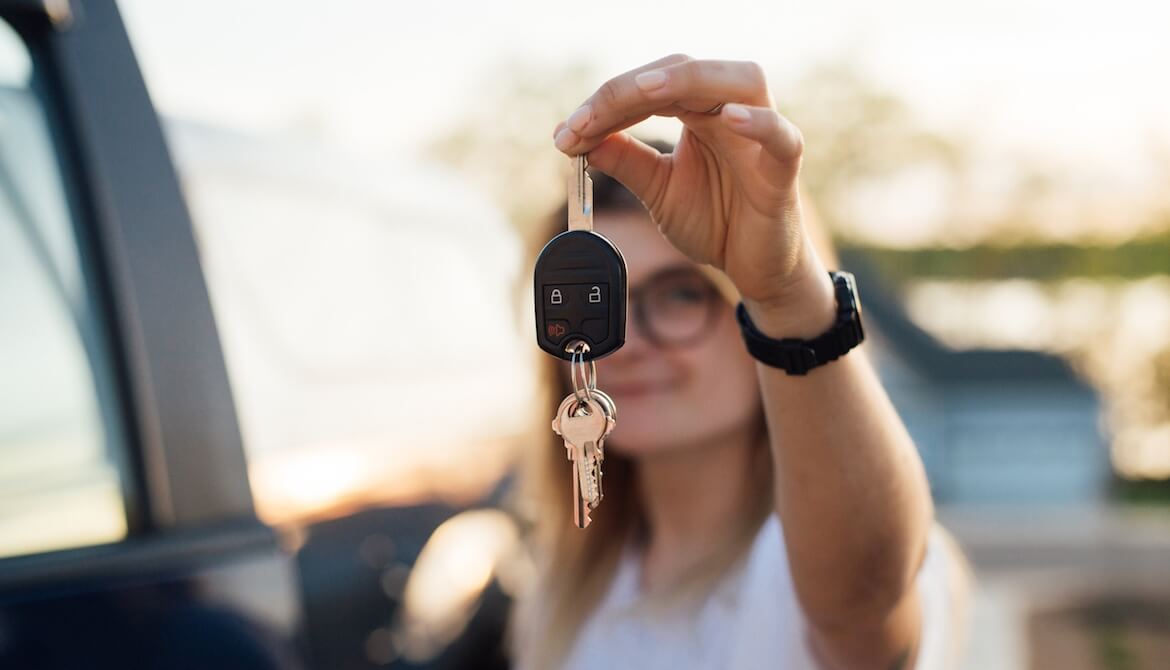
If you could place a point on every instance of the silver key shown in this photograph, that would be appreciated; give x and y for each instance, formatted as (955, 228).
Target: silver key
(580, 195)
(579, 424)
(583, 433)
(611, 412)
(606, 403)
(610, 408)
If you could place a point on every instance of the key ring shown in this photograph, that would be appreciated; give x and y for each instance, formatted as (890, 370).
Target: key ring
(588, 375)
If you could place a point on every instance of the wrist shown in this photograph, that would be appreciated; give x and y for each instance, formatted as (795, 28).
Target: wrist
(804, 308)
(798, 356)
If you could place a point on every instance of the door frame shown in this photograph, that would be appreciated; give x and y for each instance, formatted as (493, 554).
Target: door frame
(175, 415)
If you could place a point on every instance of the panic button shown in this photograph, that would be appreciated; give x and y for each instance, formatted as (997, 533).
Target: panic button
(555, 330)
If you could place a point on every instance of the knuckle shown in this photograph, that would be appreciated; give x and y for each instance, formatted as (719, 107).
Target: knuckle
(798, 151)
(692, 69)
(797, 142)
(676, 58)
(609, 93)
(754, 72)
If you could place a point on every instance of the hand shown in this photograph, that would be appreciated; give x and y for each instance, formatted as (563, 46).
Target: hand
(728, 194)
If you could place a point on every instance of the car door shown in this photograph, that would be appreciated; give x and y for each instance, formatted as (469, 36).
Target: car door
(127, 533)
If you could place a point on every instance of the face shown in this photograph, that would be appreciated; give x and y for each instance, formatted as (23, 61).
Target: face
(681, 395)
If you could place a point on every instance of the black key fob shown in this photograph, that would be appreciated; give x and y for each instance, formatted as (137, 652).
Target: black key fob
(580, 294)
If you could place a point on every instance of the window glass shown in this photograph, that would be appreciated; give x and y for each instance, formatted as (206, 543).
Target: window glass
(60, 481)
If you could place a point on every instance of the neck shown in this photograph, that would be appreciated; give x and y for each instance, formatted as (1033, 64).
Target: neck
(695, 500)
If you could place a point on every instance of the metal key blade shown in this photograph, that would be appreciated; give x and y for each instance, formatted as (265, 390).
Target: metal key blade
(588, 445)
(598, 454)
(580, 195)
(593, 457)
(586, 464)
(583, 427)
(580, 505)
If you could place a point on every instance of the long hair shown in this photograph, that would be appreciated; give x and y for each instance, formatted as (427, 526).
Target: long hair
(574, 566)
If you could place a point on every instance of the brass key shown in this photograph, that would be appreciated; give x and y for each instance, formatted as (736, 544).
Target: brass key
(584, 425)
(610, 411)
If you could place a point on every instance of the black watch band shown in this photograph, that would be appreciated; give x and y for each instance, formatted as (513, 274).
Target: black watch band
(796, 356)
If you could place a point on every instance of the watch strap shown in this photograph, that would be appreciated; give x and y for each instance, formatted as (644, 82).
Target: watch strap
(797, 356)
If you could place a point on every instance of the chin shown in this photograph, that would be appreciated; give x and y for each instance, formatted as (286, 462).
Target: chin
(650, 426)
(639, 446)
(636, 442)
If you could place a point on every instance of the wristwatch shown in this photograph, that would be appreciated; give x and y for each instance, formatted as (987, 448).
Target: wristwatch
(796, 356)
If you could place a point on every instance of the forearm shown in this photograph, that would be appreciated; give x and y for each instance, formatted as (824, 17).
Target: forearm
(850, 488)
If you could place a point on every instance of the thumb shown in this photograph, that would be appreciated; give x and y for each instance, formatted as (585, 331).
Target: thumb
(637, 165)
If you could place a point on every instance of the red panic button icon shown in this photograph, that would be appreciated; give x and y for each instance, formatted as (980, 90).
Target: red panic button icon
(556, 329)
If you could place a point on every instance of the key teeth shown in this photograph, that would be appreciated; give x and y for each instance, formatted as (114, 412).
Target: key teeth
(588, 487)
(591, 484)
(586, 458)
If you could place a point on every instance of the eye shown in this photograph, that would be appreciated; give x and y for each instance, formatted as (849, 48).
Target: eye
(687, 294)
(682, 291)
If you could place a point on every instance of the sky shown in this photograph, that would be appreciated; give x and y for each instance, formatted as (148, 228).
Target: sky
(1072, 81)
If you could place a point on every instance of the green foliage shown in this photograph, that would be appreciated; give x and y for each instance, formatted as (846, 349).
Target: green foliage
(1144, 492)
(1113, 650)
(857, 133)
(1139, 258)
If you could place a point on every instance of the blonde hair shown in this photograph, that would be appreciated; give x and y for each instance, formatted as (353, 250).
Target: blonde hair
(574, 566)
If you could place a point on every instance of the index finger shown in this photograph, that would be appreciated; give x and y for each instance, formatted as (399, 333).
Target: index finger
(687, 85)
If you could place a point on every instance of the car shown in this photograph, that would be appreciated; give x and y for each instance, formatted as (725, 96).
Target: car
(129, 533)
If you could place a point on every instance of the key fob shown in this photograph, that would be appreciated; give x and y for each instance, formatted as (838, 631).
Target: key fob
(580, 295)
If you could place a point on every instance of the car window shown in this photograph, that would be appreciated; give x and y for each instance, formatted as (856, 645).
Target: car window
(61, 483)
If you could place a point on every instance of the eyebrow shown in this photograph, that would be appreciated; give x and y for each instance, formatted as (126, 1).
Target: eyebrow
(667, 270)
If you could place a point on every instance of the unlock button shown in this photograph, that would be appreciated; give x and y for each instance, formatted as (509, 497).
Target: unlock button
(596, 294)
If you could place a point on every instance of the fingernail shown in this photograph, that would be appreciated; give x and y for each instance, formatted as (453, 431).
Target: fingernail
(565, 139)
(648, 81)
(737, 113)
(579, 118)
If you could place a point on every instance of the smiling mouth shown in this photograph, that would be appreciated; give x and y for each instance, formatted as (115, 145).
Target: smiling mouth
(635, 389)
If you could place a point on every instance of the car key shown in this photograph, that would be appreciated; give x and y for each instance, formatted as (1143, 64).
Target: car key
(580, 282)
(584, 425)
(580, 291)
(595, 455)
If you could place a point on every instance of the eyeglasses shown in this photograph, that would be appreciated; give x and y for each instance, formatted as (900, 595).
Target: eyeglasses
(675, 307)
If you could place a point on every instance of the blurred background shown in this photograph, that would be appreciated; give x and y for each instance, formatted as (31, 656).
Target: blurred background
(365, 179)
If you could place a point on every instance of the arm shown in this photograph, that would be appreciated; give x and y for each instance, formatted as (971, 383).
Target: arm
(850, 490)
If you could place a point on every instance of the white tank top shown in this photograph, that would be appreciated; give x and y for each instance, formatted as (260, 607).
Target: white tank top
(751, 620)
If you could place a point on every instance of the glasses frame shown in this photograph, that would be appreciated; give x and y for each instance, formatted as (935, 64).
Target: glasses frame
(637, 308)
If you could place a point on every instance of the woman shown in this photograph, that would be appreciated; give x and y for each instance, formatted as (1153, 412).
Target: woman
(752, 518)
